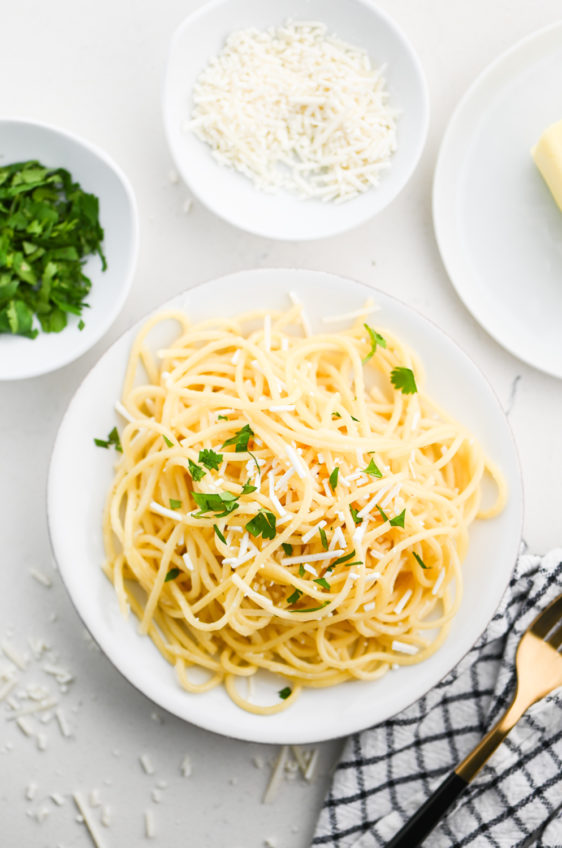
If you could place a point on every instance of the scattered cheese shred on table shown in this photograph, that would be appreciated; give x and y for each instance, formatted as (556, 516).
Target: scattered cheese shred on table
(296, 109)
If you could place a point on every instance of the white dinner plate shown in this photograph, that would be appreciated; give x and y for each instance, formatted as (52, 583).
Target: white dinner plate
(498, 228)
(81, 474)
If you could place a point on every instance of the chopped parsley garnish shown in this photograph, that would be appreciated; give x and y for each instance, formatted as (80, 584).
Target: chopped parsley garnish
(420, 561)
(195, 470)
(168, 442)
(383, 513)
(81, 325)
(312, 609)
(333, 480)
(403, 379)
(172, 574)
(48, 225)
(397, 521)
(353, 418)
(240, 439)
(296, 596)
(376, 339)
(336, 415)
(355, 515)
(287, 548)
(284, 693)
(112, 439)
(263, 524)
(174, 504)
(210, 459)
(247, 489)
(322, 582)
(256, 463)
(223, 503)
(219, 534)
(323, 538)
(342, 559)
(302, 572)
(372, 469)
(222, 418)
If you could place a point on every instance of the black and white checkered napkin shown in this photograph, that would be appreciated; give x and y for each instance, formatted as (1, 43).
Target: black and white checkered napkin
(387, 772)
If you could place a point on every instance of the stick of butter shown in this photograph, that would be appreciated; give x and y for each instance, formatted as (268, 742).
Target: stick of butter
(547, 154)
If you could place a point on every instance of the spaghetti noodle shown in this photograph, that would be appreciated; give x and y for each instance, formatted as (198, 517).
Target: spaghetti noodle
(288, 502)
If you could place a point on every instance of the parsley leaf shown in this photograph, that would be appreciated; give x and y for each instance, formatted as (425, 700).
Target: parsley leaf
(284, 693)
(222, 418)
(195, 470)
(302, 572)
(223, 503)
(240, 439)
(372, 469)
(355, 515)
(112, 439)
(420, 561)
(174, 504)
(264, 524)
(172, 574)
(247, 489)
(343, 559)
(219, 534)
(322, 582)
(287, 548)
(168, 442)
(312, 609)
(334, 478)
(256, 463)
(296, 596)
(397, 521)
(403, 379)
(210, 459)
(336, 415)
(323, 538)
(376, 339)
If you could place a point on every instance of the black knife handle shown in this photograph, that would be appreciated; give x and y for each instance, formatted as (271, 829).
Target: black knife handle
(424, 820)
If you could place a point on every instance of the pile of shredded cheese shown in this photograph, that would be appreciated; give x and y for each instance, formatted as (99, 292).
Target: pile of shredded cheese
(296, 109)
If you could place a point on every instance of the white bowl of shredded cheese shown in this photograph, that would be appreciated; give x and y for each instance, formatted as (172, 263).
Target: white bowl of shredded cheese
(298, 122)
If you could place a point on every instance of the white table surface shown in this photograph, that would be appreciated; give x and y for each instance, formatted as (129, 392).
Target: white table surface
(97, 69)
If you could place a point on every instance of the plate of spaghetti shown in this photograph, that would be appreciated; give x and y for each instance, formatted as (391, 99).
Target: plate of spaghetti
(304, 512)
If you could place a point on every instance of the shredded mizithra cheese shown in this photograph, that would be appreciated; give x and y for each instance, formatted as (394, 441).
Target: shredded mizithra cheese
(296, 109)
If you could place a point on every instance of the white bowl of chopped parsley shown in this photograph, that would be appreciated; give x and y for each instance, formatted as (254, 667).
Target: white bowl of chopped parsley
(68, 246)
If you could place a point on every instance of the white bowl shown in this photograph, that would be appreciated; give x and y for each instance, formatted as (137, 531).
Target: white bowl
(231, 195)
(97, 174)
(76, 534)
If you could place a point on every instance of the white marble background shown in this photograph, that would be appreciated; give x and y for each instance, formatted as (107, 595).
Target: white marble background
(96, 68)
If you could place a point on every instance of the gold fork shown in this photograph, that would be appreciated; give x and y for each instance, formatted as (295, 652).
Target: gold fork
(539, 672)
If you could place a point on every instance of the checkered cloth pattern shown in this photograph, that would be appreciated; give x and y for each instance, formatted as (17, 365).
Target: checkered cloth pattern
(388, 771)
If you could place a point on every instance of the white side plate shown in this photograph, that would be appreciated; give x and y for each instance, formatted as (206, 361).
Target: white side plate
(498, 228)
